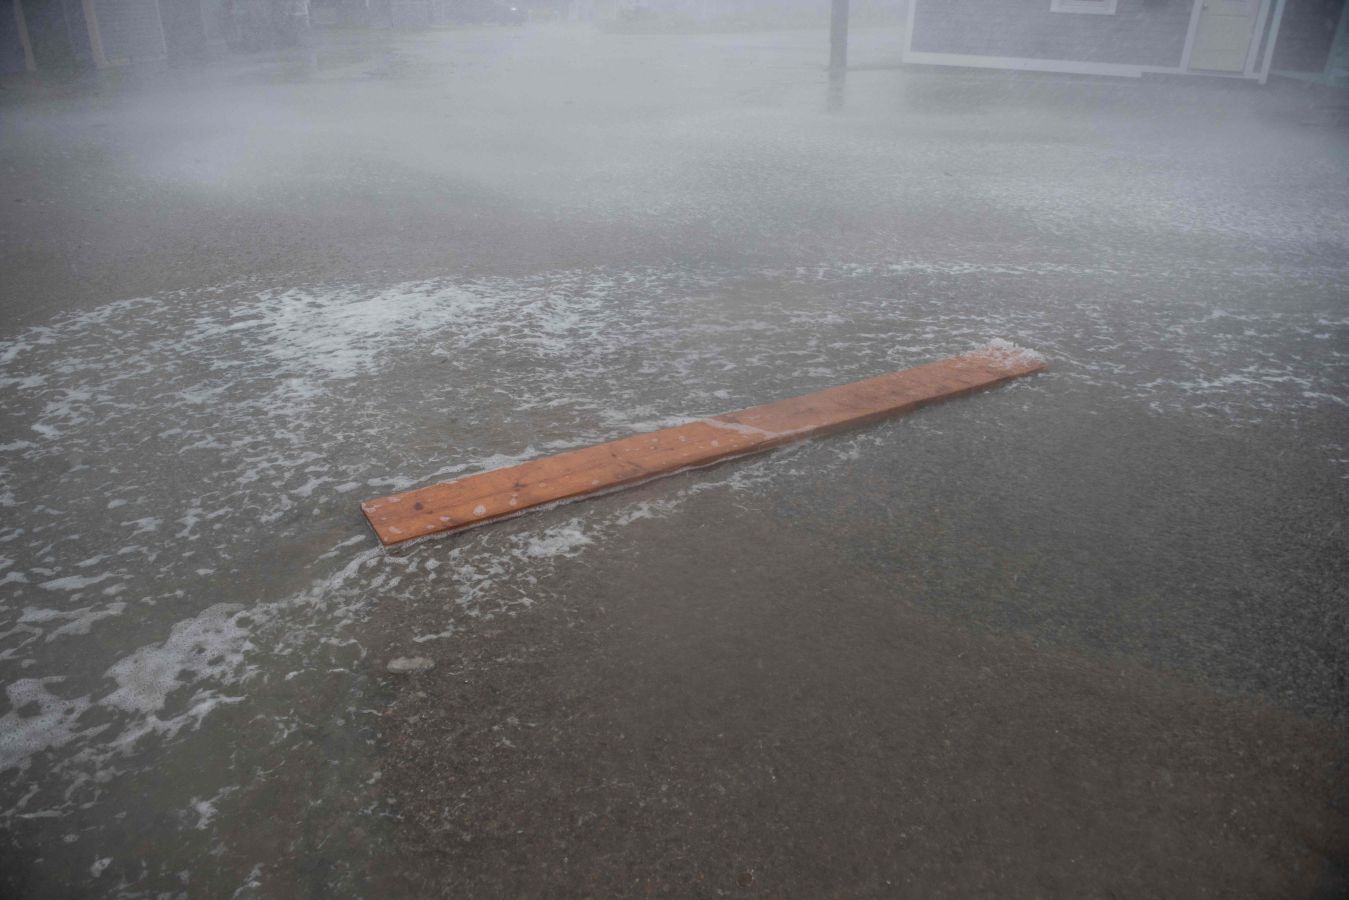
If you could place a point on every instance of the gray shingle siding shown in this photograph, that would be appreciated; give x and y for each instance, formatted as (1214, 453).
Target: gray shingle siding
(410, 14)
(215, 21)
(1141, 32)
(130, 29)
(78, 30)
(1306, 35)
(12, 60)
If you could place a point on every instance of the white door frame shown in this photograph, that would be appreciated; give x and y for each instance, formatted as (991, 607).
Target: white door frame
(1257, 63)
(1261, 20)
(1273, 42)
(1249, 70)
(21, 23)
(1189, 35)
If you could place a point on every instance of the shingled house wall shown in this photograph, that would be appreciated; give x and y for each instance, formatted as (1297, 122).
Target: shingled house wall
(131, 30)
(1141, 32)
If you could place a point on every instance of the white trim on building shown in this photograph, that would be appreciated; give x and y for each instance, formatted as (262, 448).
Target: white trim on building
(1090, 7)
(1257, 62)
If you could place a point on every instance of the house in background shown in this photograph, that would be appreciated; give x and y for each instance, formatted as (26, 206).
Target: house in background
(44, 35)
(1232, 38)
(1314, 42)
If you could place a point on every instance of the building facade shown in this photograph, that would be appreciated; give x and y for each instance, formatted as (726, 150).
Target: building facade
(1228, 38)
(42, 35)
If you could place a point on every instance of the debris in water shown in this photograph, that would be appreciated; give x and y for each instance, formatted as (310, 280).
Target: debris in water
(409, 665)
(593, 470)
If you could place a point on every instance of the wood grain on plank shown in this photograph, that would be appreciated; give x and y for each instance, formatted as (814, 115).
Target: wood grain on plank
(496, 494)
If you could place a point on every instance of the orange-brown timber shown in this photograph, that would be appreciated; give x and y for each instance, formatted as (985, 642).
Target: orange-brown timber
(487, 496)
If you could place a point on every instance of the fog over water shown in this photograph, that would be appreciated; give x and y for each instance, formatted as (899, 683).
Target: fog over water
(242, 296)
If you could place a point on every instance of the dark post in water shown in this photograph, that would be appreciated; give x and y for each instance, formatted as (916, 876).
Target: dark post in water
(838, 39)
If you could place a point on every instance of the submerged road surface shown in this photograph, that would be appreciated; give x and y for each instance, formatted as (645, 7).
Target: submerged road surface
(1082, 635)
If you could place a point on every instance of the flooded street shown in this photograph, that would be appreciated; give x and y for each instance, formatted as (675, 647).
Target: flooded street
(1104, 609)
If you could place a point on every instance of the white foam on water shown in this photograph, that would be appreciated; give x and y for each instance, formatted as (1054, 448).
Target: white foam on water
(75, 582)
(1008, 354)
(211, 645)
(39, 720)
(75, 621)
(250, 426)
(562, 540)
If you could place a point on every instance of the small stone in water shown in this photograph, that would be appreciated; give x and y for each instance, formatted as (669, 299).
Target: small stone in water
(406, 665)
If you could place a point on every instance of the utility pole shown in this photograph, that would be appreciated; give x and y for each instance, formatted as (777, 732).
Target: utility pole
(838, 39)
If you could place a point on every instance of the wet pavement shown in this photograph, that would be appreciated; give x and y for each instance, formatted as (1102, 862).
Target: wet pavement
(1085, 634)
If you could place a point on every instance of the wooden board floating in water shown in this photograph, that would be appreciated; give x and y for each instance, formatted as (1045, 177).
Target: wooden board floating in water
(499, 493)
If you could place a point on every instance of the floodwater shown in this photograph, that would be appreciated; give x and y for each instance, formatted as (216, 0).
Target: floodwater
(241, 300)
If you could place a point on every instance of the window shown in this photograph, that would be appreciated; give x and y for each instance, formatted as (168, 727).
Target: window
(1099, 7)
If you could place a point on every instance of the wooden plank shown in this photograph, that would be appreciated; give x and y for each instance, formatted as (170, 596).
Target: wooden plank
(500, 493)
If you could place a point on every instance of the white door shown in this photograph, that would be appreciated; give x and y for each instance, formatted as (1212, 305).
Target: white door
(1224, 35)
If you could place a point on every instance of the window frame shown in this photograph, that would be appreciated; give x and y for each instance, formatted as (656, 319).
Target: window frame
(1087, 7)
